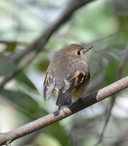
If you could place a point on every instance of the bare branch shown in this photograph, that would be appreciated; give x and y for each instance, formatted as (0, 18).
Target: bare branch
(80, 104)
(42, 40)
(112, 101)
(108, 36)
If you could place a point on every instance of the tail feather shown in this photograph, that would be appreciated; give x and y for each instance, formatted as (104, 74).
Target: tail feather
(64, 99)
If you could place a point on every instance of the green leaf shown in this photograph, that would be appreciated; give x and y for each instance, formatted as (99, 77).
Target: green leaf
(31, 107)
(22, 100)
(23, 78)
(42, 65)
(59, 133)
(6, 67)
(10, 48)
(111, 73)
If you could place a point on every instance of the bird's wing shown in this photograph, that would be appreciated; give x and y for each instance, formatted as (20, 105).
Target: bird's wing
(49, 84)
(73, 81)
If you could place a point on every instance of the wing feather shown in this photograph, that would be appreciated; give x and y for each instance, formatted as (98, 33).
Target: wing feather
(49, 84)
(73, 81)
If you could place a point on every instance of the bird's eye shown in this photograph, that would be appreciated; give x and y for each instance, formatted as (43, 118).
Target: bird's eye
(78, 52)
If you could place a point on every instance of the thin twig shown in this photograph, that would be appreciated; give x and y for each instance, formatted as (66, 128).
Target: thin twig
(65, 112)
(113, 98)
(112, 101)
(122, 61)
(108, 36)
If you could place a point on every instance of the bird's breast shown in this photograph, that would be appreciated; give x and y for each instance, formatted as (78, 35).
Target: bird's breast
(79, 91)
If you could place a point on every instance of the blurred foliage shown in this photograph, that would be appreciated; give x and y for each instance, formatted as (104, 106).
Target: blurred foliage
(103, 24)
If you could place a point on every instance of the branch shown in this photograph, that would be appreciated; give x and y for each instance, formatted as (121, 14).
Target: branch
(113, 98)
(8, 137)
(123, 60)
(42, 40)
(108, 36)
(19, 68)
(112, 102)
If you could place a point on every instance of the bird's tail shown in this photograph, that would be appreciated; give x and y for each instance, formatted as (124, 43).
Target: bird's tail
(64, 99)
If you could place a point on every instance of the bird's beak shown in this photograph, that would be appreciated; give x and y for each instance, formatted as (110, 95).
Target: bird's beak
(88, 48)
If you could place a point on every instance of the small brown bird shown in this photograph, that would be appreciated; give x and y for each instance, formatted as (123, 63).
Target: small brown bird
(68, 74)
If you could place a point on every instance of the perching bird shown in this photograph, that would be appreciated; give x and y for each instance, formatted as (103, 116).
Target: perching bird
(68, 75)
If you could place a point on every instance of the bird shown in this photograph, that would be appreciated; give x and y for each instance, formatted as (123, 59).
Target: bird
(68, 75)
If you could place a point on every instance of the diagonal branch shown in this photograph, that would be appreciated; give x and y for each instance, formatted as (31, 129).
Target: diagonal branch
(42, 40)
(19, 68)
(8, 137)
(112, 102)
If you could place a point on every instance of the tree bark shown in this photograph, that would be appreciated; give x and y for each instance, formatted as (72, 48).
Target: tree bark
(80, 104)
